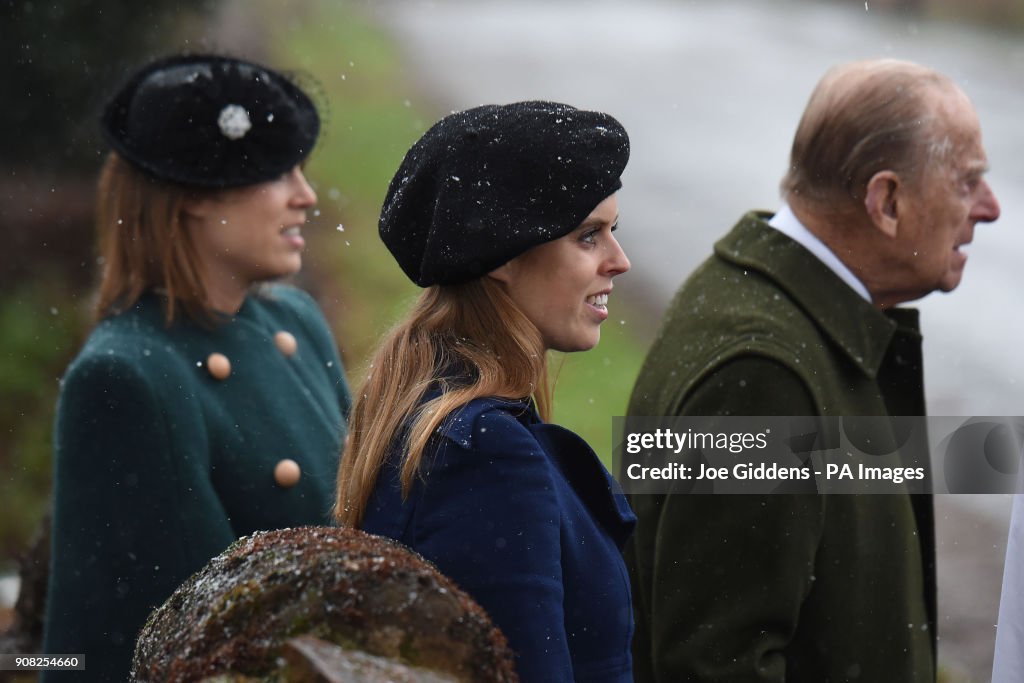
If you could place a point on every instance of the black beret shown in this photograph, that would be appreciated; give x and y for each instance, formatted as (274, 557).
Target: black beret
(211, 121)
(484, 185)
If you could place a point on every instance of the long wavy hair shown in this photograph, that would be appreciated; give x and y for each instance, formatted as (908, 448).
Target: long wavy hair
(474, 327)
(144, 245)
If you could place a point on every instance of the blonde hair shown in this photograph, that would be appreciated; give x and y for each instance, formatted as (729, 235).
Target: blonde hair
(473, 329)
(862, 118)
(144, 245)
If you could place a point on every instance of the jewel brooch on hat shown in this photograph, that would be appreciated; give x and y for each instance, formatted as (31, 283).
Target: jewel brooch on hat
(234, 122)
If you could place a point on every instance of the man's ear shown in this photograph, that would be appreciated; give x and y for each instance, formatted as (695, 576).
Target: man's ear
(881, 201)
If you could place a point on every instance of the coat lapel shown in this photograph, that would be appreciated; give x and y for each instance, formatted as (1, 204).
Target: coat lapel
(581, 467)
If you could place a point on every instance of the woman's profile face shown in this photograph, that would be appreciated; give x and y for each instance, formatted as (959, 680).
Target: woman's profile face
(562, 286)
(252, 233)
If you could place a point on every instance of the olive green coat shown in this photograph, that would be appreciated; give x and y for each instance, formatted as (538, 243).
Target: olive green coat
(159, 466)
(783, 587)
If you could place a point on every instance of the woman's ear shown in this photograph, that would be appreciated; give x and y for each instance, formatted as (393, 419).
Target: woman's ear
(881, 201)
(196, 207)
(505, 272)
(208, 204)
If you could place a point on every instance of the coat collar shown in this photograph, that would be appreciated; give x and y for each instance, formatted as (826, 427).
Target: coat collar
(862, 331)
(573, 457)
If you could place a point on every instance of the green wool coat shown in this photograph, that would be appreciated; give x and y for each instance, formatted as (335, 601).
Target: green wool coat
(159, 465)
(795, 587)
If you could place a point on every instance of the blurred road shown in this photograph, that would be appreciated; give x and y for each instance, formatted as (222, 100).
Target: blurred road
(711, 93)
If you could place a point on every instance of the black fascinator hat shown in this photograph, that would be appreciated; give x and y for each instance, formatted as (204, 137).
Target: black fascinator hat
(211, 121)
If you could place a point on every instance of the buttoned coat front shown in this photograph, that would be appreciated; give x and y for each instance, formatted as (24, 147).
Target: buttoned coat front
(159, 465)
(805, 588)
(524, 517)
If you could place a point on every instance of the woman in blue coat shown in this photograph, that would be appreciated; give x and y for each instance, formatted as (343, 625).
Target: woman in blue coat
(505, 215)
(206, 403)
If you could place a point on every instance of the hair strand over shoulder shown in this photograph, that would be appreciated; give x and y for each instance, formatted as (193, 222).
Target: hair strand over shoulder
(471, 341)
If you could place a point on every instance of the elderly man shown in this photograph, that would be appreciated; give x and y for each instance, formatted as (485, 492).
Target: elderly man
(794, 315)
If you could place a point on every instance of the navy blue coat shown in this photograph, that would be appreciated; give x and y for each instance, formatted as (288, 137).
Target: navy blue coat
(524, 517)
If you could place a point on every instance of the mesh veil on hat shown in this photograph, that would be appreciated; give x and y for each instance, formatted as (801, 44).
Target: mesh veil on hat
(484, 185)
(211, 121)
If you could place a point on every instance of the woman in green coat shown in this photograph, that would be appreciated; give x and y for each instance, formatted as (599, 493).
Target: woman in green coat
(206, 403)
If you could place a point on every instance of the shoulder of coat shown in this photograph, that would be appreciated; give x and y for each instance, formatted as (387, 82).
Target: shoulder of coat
(131, 344)
(467, 426)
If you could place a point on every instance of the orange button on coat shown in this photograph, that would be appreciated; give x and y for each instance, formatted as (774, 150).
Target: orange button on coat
(218, 365)
(287, 473)
(286, 343)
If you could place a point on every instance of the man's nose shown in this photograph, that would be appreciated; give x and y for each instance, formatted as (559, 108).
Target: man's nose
(986, 208)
